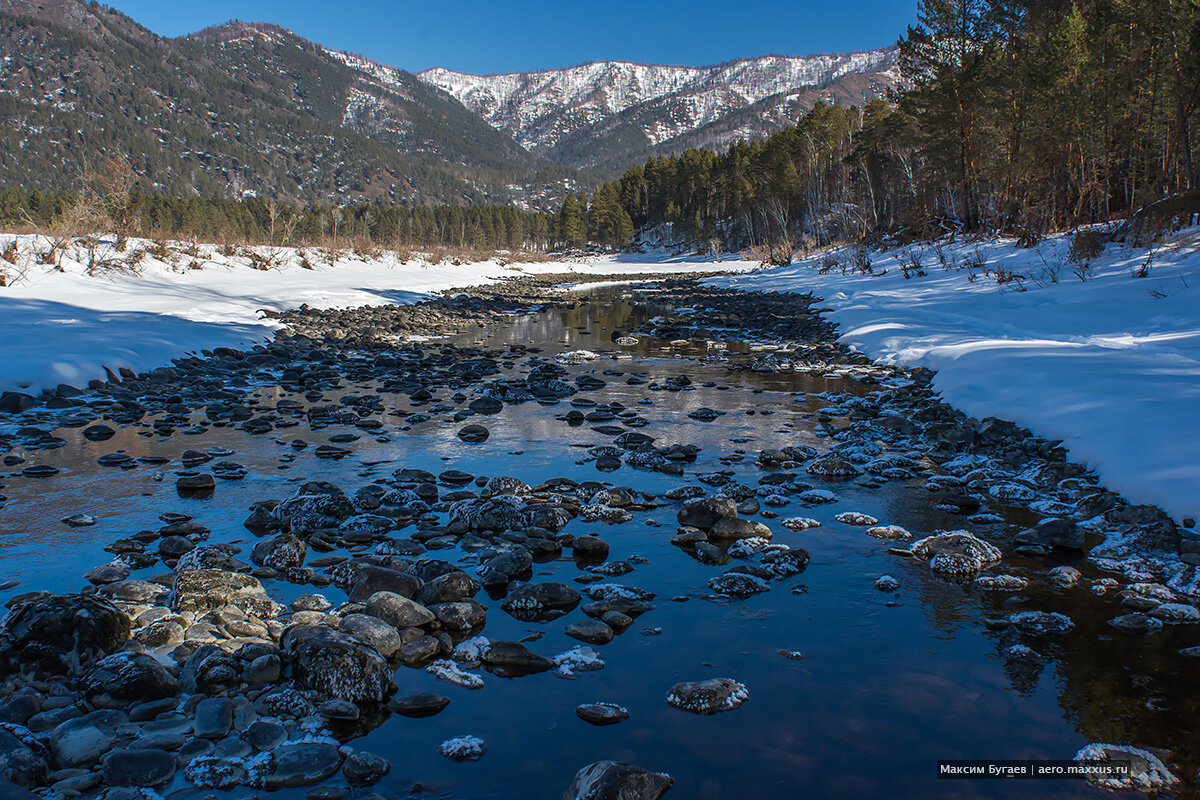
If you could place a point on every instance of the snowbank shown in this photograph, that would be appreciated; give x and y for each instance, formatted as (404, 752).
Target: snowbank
(67, 326)
(1110, 365)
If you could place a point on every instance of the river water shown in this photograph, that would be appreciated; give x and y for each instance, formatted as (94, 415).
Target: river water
(887, 683)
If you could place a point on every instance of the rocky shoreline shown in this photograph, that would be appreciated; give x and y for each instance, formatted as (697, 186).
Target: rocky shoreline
(176, 660)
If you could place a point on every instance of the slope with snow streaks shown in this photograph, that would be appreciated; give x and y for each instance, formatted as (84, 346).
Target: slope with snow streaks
(542, 110)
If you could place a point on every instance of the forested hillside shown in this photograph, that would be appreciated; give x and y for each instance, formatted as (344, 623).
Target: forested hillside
(1017, 116)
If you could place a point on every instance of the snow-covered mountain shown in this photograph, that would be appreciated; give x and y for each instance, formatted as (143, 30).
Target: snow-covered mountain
(597, 114)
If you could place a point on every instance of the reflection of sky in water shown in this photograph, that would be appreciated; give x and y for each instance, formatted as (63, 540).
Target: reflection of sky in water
(881, 693)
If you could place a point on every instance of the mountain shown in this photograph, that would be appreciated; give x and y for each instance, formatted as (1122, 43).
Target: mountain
(240, 108)
(609, 114)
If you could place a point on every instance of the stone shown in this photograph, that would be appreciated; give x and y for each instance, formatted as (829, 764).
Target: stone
(215, 772)
(300, 764)
(335, 663)
(736, 528)
(709, 696)
(417, 706)
(463, 748)
(464, 616)
(1053, 533)
(956, 554)
(510, 659)
(22, 760)
(602, 713)
(128, 677)
(80, 742)
(57, 634)
(209, 669)
(398, 611)
(213, 718)
(279, 552)
(592, 631)
(589, 549)
(382, 636)
(265, 735)
(201, 590)
(612, 780)
(364, 768)
(138, 767)
(703, 512)
(369, 579)
(738, 585)
(535, 602)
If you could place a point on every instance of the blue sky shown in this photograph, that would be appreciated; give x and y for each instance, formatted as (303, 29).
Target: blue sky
(475, 36)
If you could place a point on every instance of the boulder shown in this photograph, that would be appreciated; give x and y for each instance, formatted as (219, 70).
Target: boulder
(60, 634)
(203, 590)
(337, 664)
(130, 677)
(703, 512)
(611, 780)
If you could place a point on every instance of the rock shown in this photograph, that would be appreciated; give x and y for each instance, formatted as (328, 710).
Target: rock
(1041, 623)
(464, 616)
(13, 791)
(535, 602)
(200, 485)
(201, 590)
(334, 663)
(213, 772)
(265, 735)
(128, 677)
(22, 761)
(58, 634)
(708, 696)
(1147, 771)
(611, 780)
(511, 659)
(703, 512)
(1053, 533)
(209, 669)
(1136, 624)
(398, 611)
(501, 513)
(473, 434)
(589, 549)
(364, 768)
(79, 742)
(955, 554)
(300, 764)
(832, 468)
(450, 587)
(369, 579)
(382, 636)
(340, 710)
(213, 718)
(738, 585)
(420, 651)
(417, 706)
(463, 748)
(592, 631)
(735, 528)
(886, 583)
(279, 552)
(138, 767)
(602, 713)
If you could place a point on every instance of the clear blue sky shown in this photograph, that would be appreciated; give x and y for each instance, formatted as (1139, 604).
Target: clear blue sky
(510, 35)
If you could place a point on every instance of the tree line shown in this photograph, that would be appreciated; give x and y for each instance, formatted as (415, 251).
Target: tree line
(1015, 116)
(115, 206)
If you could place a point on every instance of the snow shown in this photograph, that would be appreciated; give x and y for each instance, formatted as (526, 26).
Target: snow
(68, 327)
(1110, 365)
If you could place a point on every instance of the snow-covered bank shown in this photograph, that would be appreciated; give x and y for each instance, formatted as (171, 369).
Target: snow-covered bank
(1110, 365)
(68, 326)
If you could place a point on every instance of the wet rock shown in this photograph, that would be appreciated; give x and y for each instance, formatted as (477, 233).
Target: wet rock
(22, 761)
(201, 590)
(138, 767)
(300, 764)
(382, 636)
(398, 611)
(279, 552)
(536, 602)
(462, 616)
(708, 696)
(214, 772)
(336, 664)
(369, 579)
(209, 669)
(213, 718)
(1053, 533)
(955, 554)
(510, 659)
(313, 511)
(592, 631)
(589, 549)
(886, 583)
(832, 468)
(1147, 771)
(265, 735)
(602, 713)
(735, 528)
(127, 677)
(424, 704)
(738, 585)
(58, 634)
(611, 780)
(463, 748)
(80, 742)
(704, 512)
(362, 768)
(1136, 624)
(500, 513)
(1041, 623)
(474, 434)
(450, 587)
